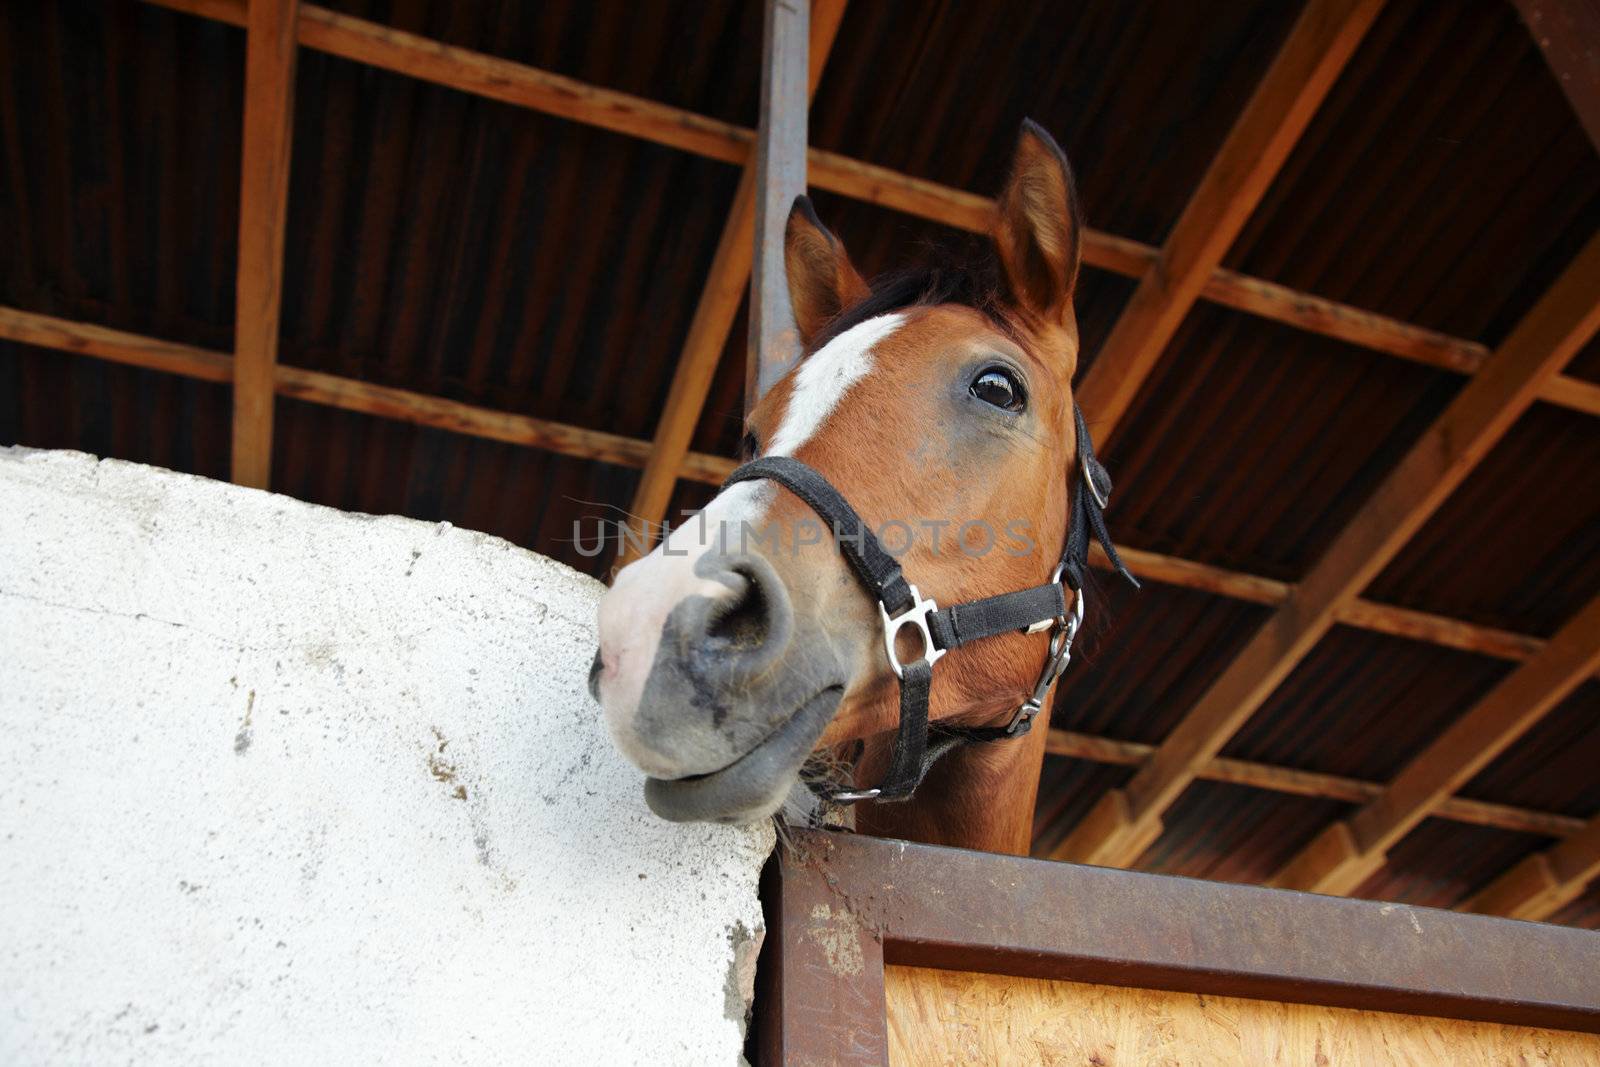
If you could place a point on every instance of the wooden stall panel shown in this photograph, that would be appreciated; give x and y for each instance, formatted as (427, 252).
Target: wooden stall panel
(957, 1017)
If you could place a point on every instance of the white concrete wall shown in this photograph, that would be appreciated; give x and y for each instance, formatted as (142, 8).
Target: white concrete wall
(280, 784)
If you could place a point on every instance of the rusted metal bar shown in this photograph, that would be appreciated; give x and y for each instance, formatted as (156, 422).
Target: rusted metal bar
(846, 905)
(780, 177)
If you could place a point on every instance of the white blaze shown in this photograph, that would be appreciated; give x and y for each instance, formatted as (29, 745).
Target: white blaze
(636, 607)
(824, 379)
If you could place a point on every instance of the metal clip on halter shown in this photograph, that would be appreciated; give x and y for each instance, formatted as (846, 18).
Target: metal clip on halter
(1066, 629)
(853, 796)
(916, 615)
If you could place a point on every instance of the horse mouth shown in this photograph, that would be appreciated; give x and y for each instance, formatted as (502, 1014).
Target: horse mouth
(754, 785)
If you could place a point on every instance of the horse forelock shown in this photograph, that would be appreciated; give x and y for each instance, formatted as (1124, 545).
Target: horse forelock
(971, 286)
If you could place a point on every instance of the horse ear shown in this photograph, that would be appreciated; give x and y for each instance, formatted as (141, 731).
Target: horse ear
(822, 282)
(1039, 232)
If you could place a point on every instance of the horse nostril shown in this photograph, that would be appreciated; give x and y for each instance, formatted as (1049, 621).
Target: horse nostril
(594, 674)
(740, 623)
(747, 629)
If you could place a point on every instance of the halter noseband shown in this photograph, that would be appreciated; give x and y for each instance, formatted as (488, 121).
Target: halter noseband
(1032, 610)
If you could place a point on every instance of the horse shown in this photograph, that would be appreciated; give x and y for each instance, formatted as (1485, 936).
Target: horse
(936, 407)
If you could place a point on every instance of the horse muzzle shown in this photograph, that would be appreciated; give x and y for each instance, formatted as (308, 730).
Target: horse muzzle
(710, 683)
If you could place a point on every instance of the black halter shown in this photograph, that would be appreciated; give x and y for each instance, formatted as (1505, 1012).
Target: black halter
(1033, 610)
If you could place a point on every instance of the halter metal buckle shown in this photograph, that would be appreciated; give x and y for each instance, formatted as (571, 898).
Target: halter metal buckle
(1060, 656)
(853, 796)
(916, 615)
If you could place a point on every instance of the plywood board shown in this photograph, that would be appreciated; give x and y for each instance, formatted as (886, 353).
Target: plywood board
(956, 1017)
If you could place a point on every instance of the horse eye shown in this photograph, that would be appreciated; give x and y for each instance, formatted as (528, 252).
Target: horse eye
(748, 447)
(999, 387)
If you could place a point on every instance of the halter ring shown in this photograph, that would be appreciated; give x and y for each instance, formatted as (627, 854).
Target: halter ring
(916, 615)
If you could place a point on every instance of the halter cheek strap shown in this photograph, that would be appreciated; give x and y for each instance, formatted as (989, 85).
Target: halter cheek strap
(1033, 610)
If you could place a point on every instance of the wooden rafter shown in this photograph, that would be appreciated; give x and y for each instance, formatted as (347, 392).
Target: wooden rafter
(580, 442)
(263, 219)
(1346, 853)
(712, 322)
(1361, 614)
(1318, 46)
(1125, 821)
(375, 45)
(349, 394)
(1545, 882)
(554, 94)
(115, 346)
(1296, 782)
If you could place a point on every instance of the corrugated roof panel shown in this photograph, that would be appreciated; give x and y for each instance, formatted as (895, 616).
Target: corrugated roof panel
(1068, 788)
(1234, 833)
(1586, 364)
(1553, 766)
(469, 249)
(1440, 863)
(1252, 444)
(709, 68)
(1364, 704)
(1120, 685)
(1139, 94)
(1446, 142)
(1518, 544)
(119, 168)
(51, 399)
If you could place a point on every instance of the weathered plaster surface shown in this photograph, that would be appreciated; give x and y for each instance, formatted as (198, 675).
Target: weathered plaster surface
(280, 784)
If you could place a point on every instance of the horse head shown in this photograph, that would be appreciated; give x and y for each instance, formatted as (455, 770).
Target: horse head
(939, 404)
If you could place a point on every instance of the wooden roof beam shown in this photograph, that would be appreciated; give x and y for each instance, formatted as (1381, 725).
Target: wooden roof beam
(349, 394)
(115, 346)
(1369, 615)
(1346, 853)
(1319, 45)
(263, 219)
(1296, 782)
(553, 94)
(1125, 821)
(376, 45)
(404, 405)
(1545, 882)
(713, 321)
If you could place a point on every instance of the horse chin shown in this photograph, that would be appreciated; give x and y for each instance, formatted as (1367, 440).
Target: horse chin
(754, 786)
